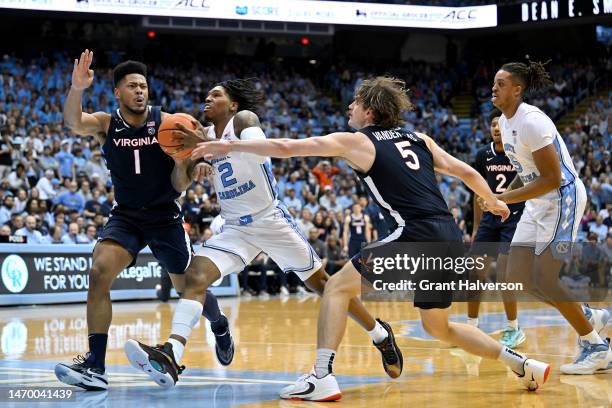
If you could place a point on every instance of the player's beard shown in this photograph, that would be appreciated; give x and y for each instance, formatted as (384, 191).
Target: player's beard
(136, 111)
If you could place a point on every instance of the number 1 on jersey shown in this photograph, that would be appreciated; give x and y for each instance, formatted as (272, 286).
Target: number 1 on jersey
(412, 160)
(137, 161)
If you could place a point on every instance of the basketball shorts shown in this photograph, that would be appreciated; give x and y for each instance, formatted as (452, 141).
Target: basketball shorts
(548, 222)
(439, 229)
(161, 228)
(273, 232)
(492, 229)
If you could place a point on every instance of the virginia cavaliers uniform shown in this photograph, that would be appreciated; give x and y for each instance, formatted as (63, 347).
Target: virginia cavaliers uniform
(402, 181)
(255, 220)
(499, 173)
(146, 212)
(357, 236)
(555, 216)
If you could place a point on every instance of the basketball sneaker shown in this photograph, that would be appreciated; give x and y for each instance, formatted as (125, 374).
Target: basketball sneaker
(535, 374)
(593, 359)
(82, 373)
(597, 317)
(512, 338)
(224, 343)
(392, 359)
(158, 362)
(310, 388)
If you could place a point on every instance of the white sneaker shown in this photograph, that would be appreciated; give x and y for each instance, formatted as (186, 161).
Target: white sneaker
(536, 374)
(284, 291)
(310, 388)
(301, 290)
(593, 359)
(597, 317)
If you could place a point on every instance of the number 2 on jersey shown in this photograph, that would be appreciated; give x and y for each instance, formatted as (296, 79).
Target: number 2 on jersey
(412, 160)
(225, 171)
(502, 180)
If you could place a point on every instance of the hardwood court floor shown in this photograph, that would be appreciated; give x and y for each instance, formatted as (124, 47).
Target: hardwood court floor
(276, 343)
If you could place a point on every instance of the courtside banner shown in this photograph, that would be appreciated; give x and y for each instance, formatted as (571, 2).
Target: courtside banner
(297, 11)
(60, 273)
(437, 271)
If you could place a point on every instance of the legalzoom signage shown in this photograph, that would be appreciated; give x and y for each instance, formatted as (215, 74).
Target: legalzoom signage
(299, 11)
(57, 274)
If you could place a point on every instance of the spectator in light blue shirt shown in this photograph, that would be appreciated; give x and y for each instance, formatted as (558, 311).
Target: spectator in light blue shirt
(66, 160)
(33, 236)
(71, 199)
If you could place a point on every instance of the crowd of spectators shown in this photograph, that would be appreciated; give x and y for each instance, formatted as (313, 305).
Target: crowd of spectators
(55, 187)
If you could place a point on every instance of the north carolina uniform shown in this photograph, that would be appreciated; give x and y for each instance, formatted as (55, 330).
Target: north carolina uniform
(146, 212)
(499, 173)
(402, 182)
(555, 216)
(255, 221)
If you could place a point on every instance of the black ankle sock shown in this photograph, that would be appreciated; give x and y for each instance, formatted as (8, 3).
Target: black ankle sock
(220, 326)
(211, 309)
(97, 347)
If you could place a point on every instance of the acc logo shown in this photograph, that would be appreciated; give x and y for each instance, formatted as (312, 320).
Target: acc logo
(151, 131)
(14, 273)
(563, 247)
(242, 10)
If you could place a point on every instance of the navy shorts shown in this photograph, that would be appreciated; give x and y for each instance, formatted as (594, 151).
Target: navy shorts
(161, 228)
(492, 229)
(440, 229)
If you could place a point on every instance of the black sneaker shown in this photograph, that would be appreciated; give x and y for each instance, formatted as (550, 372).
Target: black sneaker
(393, 361)
(224, 344)
(82, 374)
(158, 362)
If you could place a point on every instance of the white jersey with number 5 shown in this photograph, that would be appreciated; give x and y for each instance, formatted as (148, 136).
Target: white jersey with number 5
(243, 182)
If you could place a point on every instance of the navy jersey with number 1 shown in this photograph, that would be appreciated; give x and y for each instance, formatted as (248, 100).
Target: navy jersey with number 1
(139, 169)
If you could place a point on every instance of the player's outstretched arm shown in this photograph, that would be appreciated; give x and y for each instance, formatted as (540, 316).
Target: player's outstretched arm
(447, 164)
(75, 119)
(332, 145)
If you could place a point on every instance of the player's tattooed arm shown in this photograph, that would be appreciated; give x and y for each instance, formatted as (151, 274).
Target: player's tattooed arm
(244, 120)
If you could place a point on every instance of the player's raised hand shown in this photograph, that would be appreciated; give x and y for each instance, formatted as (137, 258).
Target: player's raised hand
(82, 75)
(211, 150)
(498, 207)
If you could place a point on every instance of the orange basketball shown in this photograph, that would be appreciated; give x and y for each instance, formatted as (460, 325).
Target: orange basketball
(166, 129)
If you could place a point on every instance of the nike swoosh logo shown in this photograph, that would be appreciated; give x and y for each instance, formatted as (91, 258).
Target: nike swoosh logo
(490, 158)
(119, 130)
(514, 213)
(176, 216)
(92, 375)
(310, 389)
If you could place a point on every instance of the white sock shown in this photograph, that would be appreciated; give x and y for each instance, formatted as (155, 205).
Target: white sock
(593, 338)
(378, 333)
(325, 361)
(186, 315)
(513, 324)
(512, 359)
(473, 321)
(177, 349)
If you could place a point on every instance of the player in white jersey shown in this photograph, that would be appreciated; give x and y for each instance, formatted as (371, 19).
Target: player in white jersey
(255, 221)
(555, 201)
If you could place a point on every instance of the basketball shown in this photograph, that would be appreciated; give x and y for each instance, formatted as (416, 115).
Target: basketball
(166, 129)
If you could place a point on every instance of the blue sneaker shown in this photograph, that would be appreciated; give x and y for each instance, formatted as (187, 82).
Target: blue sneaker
(593, 359)
(512, 337)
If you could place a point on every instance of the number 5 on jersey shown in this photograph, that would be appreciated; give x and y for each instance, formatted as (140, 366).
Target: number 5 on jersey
(411, 158)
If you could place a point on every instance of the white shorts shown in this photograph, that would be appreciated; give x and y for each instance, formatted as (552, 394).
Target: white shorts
(547, 221)
(274, 233)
